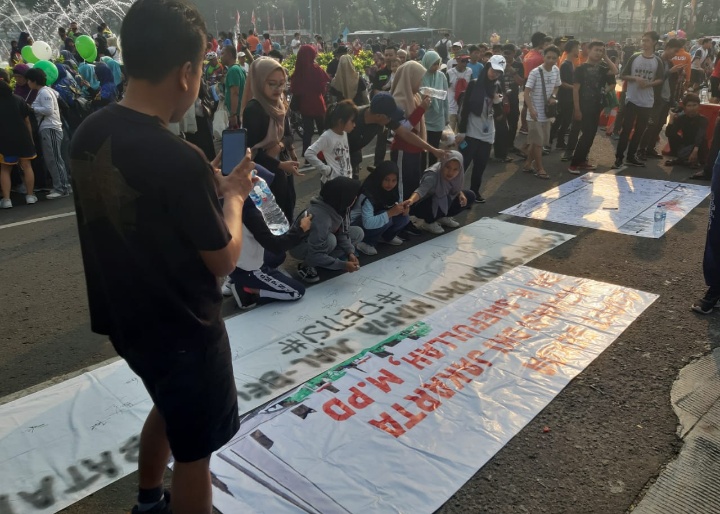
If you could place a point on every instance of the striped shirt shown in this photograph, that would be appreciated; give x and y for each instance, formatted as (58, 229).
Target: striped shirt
(552, 80)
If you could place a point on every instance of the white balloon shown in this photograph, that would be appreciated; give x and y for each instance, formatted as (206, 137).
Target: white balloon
(42, 50)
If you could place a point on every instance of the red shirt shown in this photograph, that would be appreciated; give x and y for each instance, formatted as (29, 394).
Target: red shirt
(532, 60)
(253, 42)
(399, 143)
(716, 71)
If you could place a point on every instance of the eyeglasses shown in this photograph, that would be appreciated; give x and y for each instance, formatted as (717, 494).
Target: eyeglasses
(277, 86)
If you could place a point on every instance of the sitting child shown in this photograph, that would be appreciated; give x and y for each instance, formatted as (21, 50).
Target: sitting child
(331, 241)
(251, 283)
(378, 210)
(440, 195)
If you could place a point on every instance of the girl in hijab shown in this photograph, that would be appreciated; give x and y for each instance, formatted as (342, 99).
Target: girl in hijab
(268, 129)
(108, 90)
(331, 239)
(308, 82)
(378, 210)
(476, 125)
(348, 84)
(69, 59)
(91, 84)
(440, 195)
(65, 85)
(408, 157)
(22, 89)
(437, 116)
(16, 143)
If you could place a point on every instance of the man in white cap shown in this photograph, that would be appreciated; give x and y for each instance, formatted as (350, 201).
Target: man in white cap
(456, 51)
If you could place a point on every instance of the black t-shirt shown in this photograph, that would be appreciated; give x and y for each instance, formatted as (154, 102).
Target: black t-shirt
(15, 139)
(507, 79)
(592, 80)
(381, 78)
(567, 70)
(363, 132)
(146, 206)
(332, 67)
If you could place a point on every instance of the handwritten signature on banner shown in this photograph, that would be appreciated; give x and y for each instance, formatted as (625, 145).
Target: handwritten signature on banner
(325, 340)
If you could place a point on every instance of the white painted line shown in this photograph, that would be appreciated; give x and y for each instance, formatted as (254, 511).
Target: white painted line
(368, 156)
(35, 220)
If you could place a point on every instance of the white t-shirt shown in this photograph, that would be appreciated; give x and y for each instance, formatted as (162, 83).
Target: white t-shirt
(295, 45)
(552, 80)
(646, 68)
(453, 76)
(336, 151)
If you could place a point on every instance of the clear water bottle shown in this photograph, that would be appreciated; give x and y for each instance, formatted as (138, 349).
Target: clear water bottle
(659, 221)
(440, 94)
(272, 214)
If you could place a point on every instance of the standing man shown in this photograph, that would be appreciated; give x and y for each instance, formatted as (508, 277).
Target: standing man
(588, 91)
(536, 96)
(643, 72)
(565, 100)
(684, 58)
(234, 85)
(160, 217)
(379, 83)
(699, 63)
(532, 60)
(458, 79)
(475, 65)
(252, 41)
(514, 79)
(295, 43)
(443, 47)
(662, 103)
(456, 49)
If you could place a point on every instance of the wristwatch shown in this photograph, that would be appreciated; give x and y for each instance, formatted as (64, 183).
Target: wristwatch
(553, 97)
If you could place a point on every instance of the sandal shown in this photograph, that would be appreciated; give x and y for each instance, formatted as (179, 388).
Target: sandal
(542, 175)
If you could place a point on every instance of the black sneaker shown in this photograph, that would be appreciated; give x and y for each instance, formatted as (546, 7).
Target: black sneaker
(479, 199)
(641, 156)
(707, 303)
(566, 157)
(244, 299)
(163, 507)
(634, 161)
(308, 274)
(653, 154)
(371, 169)
(411, 230)
(618, 163)
(546, 150)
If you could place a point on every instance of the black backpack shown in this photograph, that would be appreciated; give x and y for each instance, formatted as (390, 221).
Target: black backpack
(442, 50)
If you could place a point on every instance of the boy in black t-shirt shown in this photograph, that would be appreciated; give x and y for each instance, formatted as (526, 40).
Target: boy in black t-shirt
(686, 134)
(154, 241)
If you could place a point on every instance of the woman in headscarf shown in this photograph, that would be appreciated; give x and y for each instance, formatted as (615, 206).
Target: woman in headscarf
(108, 90)
(69, 59)
(16, 143)
(437, 115)
(268, 129)
(22, 89)
(378, 210)
(440, 194)
(331, 240)
(65, 85)
(91, 84)
(309, 82)
(347, 83)
(476, 123)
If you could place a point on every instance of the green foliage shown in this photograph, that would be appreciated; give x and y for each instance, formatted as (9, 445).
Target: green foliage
(361, 61)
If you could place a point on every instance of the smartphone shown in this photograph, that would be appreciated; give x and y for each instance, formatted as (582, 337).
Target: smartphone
(463, 145)
(234, 144)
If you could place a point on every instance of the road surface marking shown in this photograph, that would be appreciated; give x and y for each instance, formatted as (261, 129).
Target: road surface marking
(35, 220)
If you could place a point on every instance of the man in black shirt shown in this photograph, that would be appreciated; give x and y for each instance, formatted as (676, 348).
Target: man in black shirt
(333, 65)
(686, 134)
(154, 241)
(590, 79)
(565, 100)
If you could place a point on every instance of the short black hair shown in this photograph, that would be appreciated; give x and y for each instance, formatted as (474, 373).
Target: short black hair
(342, 112)
(652, 35)
(571, 45)
(552, 48)
(36, 75)
(538, 39)
(276, 54)
(391, 47)
(174, 30)
(472, 48)
(266, 35)
(251, 32)
(593, 44)
(691, 98)
(496, 47)
(509, 48)
(231, 49)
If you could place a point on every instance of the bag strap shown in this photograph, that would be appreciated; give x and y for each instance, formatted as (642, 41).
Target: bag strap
(542, 79)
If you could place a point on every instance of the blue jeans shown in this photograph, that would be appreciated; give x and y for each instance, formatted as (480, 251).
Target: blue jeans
(386, 232)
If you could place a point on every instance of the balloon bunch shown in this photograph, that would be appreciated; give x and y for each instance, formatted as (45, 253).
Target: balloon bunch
(38, 55)
(494, 38)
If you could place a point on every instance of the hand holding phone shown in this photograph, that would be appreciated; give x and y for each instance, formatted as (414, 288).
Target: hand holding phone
(234, 143)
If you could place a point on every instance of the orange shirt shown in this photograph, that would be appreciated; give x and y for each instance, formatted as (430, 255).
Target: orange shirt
(684, 58)
(253, 42)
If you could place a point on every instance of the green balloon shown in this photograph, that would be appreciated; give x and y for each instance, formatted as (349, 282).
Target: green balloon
(86, 48)
(28, 55)
(51, 71)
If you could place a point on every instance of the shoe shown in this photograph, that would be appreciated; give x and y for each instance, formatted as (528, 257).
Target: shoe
(371, 169)
(448, 222)
(226, 291)
(618, 163)
(616, 136)
(523, 131)
(433, 228)
(55, 194)
(30, 199)
(308, 274)
(641, 156)
(6, 203)
(244, 299)
(706, 304)
(634, 161)
(546, 150)
(566, 157)
(574, 170)
(503, 160)
(163, 507)
(586, 166)
(411, 230)
(395, 241)
(366, 248)
(479, 198)
(653, 154)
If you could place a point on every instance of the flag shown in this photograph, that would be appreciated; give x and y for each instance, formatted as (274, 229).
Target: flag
(299, 23)
(237, 24)
(283, 21)
(252, 19)
(267, 19)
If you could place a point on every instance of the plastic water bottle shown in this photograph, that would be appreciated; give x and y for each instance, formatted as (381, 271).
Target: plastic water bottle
(704, 96)
(272, 214)
(659, 221)
(433, 93)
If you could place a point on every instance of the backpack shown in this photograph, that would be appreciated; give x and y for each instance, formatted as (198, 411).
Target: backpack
(442, 50)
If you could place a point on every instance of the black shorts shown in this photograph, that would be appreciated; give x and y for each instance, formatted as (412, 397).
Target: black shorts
(194, 391)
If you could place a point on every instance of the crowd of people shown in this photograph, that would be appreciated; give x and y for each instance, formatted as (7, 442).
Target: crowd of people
(114, 132)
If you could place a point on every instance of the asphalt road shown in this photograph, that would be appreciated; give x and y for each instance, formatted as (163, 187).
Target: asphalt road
(611, 430)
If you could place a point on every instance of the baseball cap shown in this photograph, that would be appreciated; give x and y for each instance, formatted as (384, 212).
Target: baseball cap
(457, 43)
(497, 62)
(384, 103)
(241, 54)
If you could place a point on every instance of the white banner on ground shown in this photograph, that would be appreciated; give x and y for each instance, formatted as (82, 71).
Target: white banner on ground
(613, 203)
(401, 426)
(62, 443)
